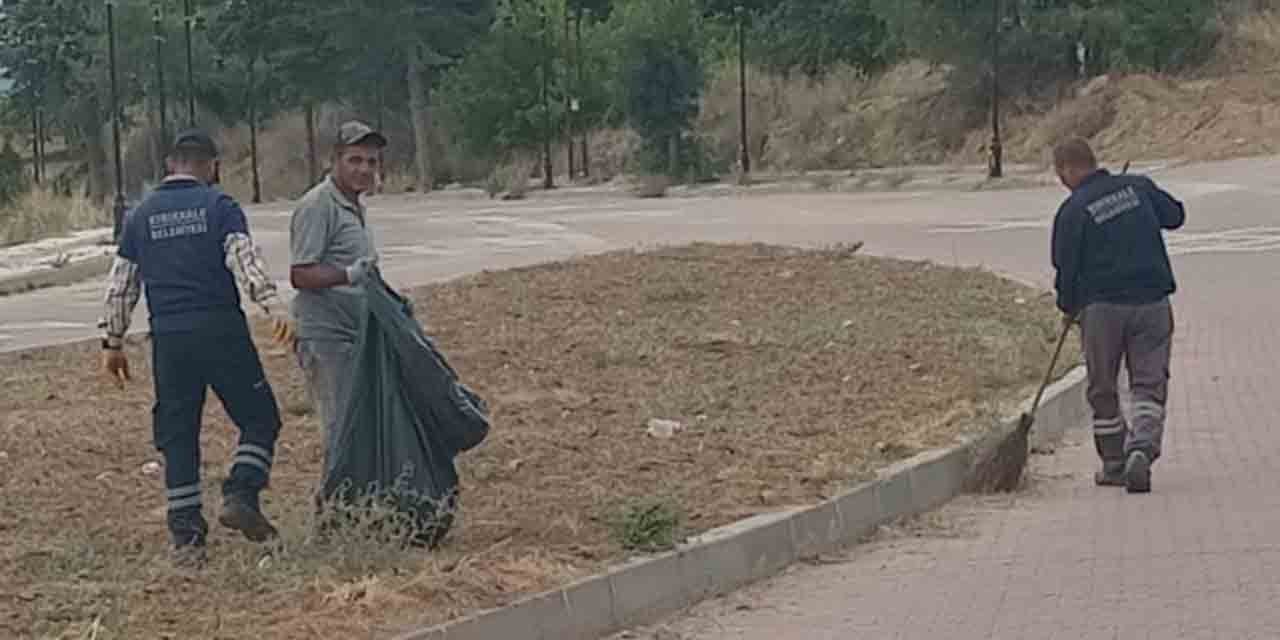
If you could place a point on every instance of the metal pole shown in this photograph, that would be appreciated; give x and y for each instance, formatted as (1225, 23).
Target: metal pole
(586, 131)
(191, 86)
(253, 128)
(382, 110)
(548, 181)
(164, 100)
(744, 148)
(568, 111)
(40, 133)
(118, 210)
(35, 136)
(997, 150)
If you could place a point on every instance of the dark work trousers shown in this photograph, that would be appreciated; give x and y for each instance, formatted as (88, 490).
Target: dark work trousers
(184, 366)
(1142, 336)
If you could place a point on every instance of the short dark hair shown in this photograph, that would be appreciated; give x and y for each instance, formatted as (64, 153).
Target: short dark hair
(1075, 153)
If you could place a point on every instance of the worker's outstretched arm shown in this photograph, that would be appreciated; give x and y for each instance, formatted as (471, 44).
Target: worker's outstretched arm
(245, 261)
(124, 288)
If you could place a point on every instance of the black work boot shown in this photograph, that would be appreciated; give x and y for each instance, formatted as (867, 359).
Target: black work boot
(188, 533)
(1137, 472)
(1111, 475)
(240, 512)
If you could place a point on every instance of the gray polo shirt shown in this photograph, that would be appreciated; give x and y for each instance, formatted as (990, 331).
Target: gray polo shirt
(327, 228)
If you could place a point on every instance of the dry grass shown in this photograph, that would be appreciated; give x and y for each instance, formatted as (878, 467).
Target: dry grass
(793, 374)
(511, 179)
(844, 121)
(1251, 44)
(650, 186)
(41, 213)
(1148, 117)
(1225, 110)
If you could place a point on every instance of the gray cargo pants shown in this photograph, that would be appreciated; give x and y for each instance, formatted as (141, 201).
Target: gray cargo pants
(1142, 335)
(327, 366)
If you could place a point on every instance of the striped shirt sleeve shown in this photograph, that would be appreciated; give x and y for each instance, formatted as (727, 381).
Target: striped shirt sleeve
(245, 261)
(124, 288)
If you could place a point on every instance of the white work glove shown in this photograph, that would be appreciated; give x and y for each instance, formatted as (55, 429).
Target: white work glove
(359, 270)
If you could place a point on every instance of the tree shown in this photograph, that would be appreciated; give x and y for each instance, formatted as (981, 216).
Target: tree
(242, 31)
(1163, 35)
(428, 36)
(13, 182)
(56, 50)
(495, 94)
(813, 35)
(660, 71)
(49, 55)
(309, 60)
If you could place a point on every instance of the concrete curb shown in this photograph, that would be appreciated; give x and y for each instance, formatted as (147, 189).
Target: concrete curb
(725, 559)
(71, 273)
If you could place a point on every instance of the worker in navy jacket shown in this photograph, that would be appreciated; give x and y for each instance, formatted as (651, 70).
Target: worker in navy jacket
(1114, 277)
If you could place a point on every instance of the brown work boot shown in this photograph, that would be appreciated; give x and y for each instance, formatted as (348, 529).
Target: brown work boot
(241, 514)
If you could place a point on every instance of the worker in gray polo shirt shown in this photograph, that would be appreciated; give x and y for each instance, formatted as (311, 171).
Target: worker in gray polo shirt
(332, 254)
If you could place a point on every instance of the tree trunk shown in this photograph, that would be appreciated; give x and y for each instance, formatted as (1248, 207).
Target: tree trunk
(157, 145)
(253, 132)
(313, 161)
(673, 155)
(419, 105)
(93, 133)
(35, 143)
(40, 138)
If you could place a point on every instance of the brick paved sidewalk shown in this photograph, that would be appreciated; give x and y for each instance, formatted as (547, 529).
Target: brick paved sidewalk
(1197, 558)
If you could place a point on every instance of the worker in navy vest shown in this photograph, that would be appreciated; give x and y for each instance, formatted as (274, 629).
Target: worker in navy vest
(1114, 277)
(188, 245)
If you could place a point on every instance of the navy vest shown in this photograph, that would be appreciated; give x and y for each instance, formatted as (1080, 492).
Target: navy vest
(176, 237)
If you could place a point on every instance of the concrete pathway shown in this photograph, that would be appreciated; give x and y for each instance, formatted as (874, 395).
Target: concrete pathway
(1198, 558)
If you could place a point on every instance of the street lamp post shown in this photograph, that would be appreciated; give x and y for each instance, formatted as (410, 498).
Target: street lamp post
(997, 149)
(35, 135)
(568, 106)
(743, 146)
(118, 209)
(42, 131)
(32, 66)
(191, 85)
(253, 128)
(163, 106)
(586, 130)
(548, 181)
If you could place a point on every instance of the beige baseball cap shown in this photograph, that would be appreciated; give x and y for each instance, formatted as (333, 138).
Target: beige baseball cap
(356, 132)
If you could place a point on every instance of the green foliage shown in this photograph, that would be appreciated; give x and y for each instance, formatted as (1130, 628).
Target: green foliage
(1039, 38)
(812, 36)
(13, 176)
(640, 63)
(495, 94)
(660, 71)
(649, 525)
(494, 97)
(1162, 35)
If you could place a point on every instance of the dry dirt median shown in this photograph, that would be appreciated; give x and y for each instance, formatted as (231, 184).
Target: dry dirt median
(791, 374)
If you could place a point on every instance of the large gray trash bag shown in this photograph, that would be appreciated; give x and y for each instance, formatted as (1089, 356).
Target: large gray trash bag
(406, 418)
